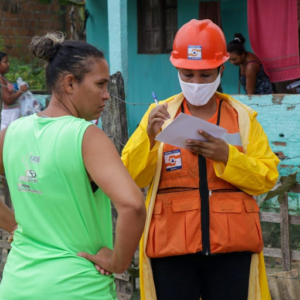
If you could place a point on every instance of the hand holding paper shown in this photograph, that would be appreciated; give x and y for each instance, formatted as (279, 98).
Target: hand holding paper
(186, 128)
(213, 148)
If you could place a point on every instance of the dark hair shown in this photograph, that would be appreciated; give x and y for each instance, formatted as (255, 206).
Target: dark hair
(75, 57)
(237, 44)
(2, 54)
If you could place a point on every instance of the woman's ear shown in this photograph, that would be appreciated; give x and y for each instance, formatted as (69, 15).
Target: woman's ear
(222, 68)
(68, 83)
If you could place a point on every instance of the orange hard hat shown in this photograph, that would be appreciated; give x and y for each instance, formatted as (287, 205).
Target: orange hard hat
(199, 45)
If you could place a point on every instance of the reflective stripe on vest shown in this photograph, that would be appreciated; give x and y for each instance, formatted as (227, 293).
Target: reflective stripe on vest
(195, 211)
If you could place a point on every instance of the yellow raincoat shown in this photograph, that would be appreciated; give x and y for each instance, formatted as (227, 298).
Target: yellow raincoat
(144, 165)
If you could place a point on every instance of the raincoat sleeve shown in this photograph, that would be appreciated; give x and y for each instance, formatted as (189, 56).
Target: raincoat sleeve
(137, 157)
(254, 172)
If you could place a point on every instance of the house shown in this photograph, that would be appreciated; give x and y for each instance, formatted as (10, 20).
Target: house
(115, 27)
(137, 44)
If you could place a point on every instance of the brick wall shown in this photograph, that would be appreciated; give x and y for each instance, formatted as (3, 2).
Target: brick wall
(34, 19)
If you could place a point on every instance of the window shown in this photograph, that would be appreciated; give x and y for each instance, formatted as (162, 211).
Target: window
(157, 25)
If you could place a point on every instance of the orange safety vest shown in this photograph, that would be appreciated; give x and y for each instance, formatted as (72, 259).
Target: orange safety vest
(195, 211)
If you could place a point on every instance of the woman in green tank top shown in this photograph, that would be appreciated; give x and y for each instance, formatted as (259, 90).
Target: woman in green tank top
(63, 223)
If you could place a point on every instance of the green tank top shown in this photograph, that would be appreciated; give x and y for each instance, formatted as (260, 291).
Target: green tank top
(58, 214)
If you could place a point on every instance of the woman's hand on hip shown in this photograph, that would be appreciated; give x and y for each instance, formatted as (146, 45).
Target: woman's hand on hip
(157, 117)
(213, 148)
(101, 260)
(11, 237)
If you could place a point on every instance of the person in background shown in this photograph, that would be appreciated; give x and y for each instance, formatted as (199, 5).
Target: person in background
(202, 237)
(60, 177)
(252, 75)
(10, 105)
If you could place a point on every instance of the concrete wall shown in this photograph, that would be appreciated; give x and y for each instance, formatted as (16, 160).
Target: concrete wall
(279, 117)
(234, 10)
(147, 73)
(97, 25)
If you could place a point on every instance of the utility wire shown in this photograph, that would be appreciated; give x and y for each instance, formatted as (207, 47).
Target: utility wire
(143, 103)
(288, 158)
(129, 102)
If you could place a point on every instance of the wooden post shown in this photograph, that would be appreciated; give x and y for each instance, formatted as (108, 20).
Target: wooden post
(285, 234)
(114, 124)
(114, 118)
(4, 249)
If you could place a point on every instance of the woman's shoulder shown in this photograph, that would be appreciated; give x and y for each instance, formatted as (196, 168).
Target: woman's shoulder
(252, 59)
(252, 66)
(3, 80)
(65, 123)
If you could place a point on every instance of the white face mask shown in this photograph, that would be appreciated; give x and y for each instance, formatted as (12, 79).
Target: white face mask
(199, 94)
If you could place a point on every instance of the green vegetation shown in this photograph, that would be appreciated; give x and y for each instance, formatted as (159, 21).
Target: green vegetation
(31, 72)
(272, 235)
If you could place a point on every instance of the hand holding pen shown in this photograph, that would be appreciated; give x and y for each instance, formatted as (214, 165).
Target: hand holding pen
(157, 118)
(154, 98)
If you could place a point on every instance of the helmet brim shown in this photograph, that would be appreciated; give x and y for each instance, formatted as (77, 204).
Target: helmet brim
(191, 64)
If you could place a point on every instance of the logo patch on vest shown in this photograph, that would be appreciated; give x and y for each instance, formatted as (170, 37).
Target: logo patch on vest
(173, 160)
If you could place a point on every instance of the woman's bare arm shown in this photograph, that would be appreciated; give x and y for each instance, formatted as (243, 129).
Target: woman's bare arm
(251, 71)
(105, 167)
(9, 98)
(7, 217)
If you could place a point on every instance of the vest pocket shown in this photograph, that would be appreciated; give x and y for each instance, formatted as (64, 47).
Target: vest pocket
(175, 225)
(234, 223)
(252, 210)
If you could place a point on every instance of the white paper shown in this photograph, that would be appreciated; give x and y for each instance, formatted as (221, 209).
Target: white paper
(186, 127)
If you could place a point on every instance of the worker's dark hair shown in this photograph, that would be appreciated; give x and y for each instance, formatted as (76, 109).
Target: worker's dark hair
(63, 57)
(2, 54)
(237, 44)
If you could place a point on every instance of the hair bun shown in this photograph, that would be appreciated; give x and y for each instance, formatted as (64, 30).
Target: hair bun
(239, 38)
(46, 47)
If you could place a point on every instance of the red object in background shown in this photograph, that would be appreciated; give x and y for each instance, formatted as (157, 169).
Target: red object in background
(273, 32)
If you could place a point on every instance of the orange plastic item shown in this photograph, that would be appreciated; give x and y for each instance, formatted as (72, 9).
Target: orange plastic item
(199, 45)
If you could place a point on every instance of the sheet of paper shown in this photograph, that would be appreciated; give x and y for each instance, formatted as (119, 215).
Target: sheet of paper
(186, 127)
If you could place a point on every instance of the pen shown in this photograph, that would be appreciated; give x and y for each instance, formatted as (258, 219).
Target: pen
(154, 98)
